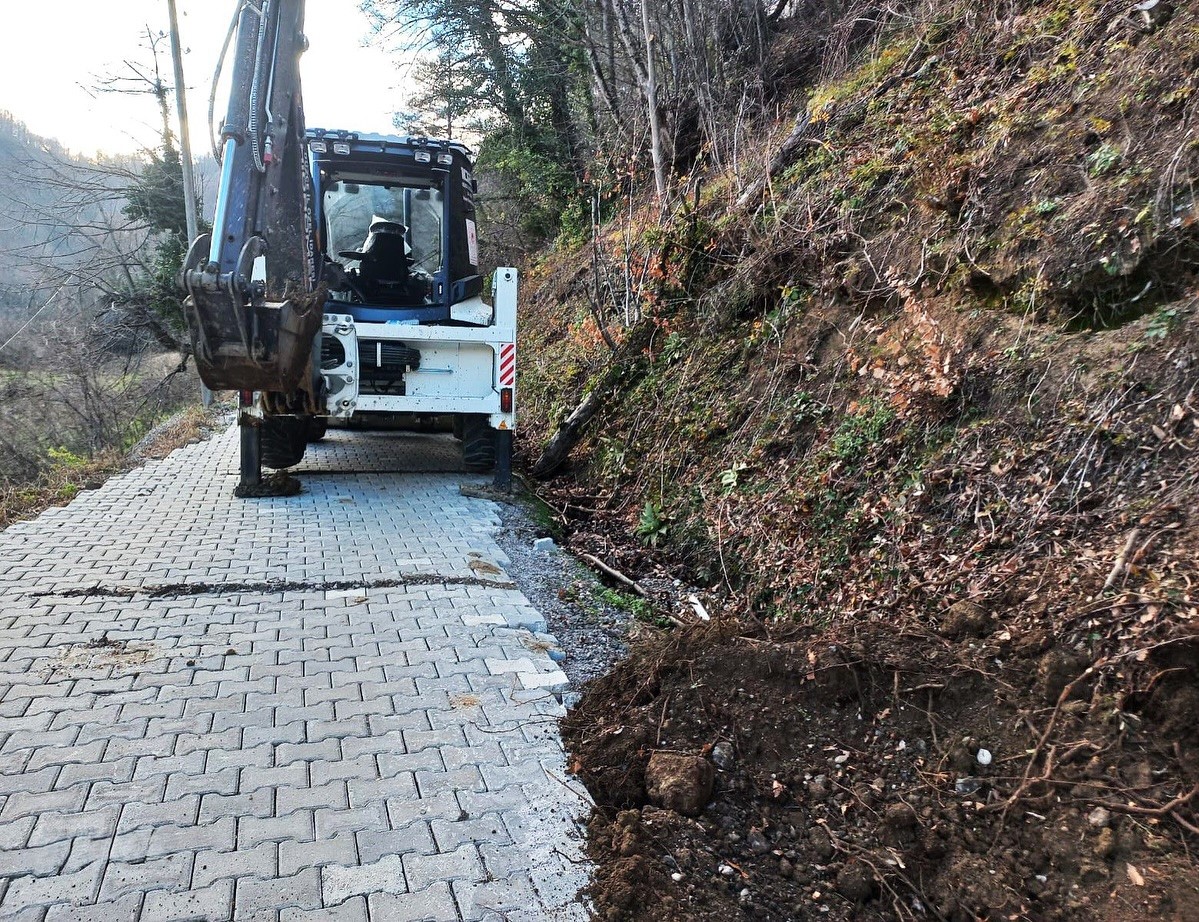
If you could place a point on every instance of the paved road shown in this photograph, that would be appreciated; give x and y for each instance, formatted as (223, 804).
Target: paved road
(331, 707)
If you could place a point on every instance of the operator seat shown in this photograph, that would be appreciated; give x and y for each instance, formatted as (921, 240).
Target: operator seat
(385, 266)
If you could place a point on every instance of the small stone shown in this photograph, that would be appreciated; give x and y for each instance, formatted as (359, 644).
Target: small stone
(726, 870)
(1100, 817)
(1105, 844)
(676, 877)
(967, 786)
(818, 787)
(722, 755)
(544, 546)
(757, 842)
(745, 896)
(786, 868)
(984, 757)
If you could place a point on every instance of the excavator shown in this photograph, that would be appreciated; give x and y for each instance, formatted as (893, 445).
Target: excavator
(342, 278)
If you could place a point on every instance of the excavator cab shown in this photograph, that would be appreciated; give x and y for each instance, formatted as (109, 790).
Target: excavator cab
(395, 223)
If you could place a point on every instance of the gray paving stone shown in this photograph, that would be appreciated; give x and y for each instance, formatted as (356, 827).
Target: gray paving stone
(41, 861)
(295, 827)
(259, 862)
(337, 850)
(78, 888)
(213, 903)
(126, 909)
(301, 891)
(352, 910)
(463, 863)
(93, 824)
(122, 878)
(324, 766)
(434, 904)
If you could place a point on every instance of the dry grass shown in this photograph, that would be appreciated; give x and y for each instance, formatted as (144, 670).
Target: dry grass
(63, 480)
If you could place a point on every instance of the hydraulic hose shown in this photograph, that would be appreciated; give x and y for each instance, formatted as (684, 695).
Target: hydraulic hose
(216, 78)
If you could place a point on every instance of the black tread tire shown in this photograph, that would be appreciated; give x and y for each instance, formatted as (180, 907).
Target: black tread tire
(284, 439)
(478, 443)
(316, 428)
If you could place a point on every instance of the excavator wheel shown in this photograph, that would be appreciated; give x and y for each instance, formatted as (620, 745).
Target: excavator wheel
(478, 443)
(316, 429)
(284, 439)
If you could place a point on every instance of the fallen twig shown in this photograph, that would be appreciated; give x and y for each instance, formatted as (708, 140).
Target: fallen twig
(615, 574)
(1121, 563)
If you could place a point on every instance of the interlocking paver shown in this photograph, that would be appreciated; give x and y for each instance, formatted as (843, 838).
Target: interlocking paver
(230, 752)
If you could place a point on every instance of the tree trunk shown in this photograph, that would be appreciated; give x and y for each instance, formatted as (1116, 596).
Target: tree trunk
(651, 102)
(625, 370)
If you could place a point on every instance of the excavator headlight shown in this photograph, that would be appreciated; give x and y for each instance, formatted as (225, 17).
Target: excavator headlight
(342, 148)
(422, 156)
(319, 147)
(445, 159)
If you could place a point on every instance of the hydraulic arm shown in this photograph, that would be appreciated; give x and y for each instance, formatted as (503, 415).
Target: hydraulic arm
(251, 309)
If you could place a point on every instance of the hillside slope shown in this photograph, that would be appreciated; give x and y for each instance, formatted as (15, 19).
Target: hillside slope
(918, 411)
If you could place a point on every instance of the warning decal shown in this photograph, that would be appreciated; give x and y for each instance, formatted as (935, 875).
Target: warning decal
(472, 242)
(508, 365)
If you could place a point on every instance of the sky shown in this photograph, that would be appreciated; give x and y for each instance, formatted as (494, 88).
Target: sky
(53, 54)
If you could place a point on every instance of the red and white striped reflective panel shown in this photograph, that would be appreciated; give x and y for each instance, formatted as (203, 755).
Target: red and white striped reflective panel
(508, 365)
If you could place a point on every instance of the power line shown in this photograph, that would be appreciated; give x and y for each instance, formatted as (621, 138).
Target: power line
(33, 317)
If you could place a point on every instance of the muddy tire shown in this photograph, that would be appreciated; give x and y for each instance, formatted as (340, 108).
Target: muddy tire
(316, 428)
(284, 439)
(478, 443)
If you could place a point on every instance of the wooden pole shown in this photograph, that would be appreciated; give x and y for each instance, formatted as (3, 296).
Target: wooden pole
(185, 145)
(185, 149)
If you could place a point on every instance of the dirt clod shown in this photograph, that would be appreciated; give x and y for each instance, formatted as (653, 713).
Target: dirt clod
(965, 619)
(682, 783)
(856, 882)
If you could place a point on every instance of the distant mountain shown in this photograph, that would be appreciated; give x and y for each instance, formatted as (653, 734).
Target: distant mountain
(54, 203)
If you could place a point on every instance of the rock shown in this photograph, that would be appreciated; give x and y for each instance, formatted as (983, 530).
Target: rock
(965, 619)
(1100, 817)
(722, 755)
(822, 844)
(818, 787)
(679, 782)
(856, 882)
(757, 842)
(544, 546)
(967, 786)
(786, 868)
(984, 757)
(726, 870)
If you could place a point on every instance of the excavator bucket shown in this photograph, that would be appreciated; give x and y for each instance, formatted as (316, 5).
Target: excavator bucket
(265, 347)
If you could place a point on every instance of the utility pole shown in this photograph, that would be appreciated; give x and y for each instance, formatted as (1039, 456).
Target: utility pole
(185, 149)
(185, 144)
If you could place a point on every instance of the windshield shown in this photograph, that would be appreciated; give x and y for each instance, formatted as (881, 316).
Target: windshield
(352, 207)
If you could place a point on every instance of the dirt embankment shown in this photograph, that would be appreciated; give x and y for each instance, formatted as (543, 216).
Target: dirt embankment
(921, 419)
